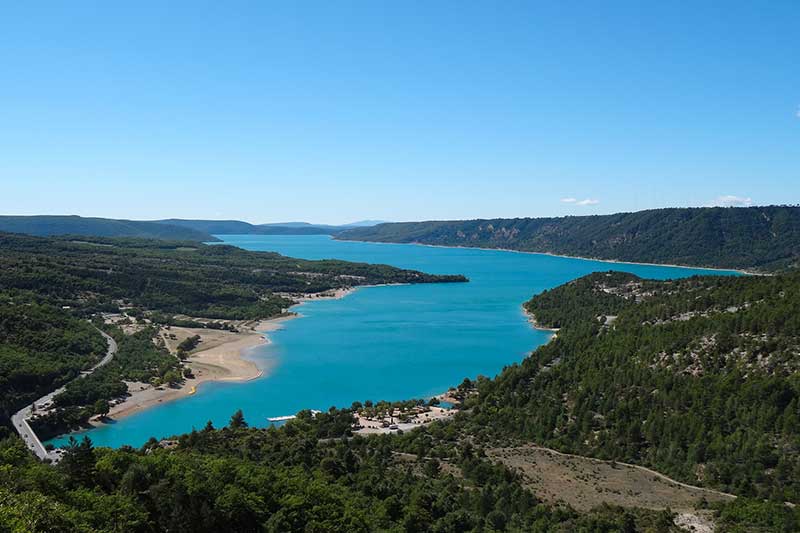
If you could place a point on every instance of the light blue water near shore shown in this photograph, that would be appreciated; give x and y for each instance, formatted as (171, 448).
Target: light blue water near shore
(378, 343)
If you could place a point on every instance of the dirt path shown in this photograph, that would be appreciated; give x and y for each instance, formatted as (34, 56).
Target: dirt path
(668, 479)
(585, 482)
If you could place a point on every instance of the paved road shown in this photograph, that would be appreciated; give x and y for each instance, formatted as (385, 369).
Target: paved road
(20, 418)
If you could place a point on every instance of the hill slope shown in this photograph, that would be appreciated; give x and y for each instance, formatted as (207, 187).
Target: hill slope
(697, 378)
(48, 225)
(237, 227)
(213, 281)
(763, 238)
(46, 284)
(213, 227)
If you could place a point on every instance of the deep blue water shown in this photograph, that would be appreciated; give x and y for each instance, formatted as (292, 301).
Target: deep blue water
(387, 343)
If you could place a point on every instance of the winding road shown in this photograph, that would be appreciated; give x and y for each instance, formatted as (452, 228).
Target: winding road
(21, 417)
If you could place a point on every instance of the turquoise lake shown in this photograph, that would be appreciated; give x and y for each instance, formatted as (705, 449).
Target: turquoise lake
(380, 343)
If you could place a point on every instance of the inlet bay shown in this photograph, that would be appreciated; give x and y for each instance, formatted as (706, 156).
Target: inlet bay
(391, 343)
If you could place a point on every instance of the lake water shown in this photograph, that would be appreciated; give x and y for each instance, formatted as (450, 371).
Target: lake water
(381, 343)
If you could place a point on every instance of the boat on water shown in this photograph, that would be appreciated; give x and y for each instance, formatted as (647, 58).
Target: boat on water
(289, 417)
(281, 418)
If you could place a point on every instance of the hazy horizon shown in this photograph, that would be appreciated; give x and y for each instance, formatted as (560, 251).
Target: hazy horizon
(360, 221)
(340, 112)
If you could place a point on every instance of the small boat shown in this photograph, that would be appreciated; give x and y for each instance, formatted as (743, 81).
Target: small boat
(289, 417)
(280, 418)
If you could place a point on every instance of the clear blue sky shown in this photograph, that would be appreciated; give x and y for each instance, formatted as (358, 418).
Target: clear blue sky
(336, 111)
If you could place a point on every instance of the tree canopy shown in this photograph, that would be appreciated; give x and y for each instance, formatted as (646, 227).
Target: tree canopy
(758, 238)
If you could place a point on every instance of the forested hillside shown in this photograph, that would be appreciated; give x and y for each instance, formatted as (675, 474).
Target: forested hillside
(237, 227)
(302, 477)
(208, 281)
(48, 225)
(168, 229)
(49, 287)
(697, 378)
(41, 348)
(309, 476)
(758, 238)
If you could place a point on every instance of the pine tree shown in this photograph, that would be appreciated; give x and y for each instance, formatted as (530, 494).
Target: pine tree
(237, 420)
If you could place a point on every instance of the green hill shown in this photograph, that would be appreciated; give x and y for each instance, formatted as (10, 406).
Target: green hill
(213, 227)
(759, 238)
(212, 281)
(697, 378)
(48, 283)
(304, 477)
(237, 227)
(48, 225)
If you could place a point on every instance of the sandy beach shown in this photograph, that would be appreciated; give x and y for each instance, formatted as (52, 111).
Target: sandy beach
(221, 356)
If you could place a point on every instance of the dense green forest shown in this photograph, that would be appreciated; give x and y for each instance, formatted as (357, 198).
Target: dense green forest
(48, 225)
(758, 238)
(307, 476)
(49, 286)
(237, 227)
(697, 378)
(301, 477)
(168, 229)
(141, 357)
(211, 281)
(41, 348)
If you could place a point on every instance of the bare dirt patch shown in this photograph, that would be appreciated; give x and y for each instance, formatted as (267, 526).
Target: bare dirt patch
(585, 483)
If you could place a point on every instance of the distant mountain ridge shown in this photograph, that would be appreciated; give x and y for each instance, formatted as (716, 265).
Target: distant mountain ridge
(237, 227)
(50, 225)
(167, 229)
(364, 223)
(758, 238)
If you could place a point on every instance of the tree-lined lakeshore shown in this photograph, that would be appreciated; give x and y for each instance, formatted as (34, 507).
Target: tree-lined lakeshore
(730, 349)
(758, 238)
(751, 238)
(725, 354)
(399, 267)
(137, 290)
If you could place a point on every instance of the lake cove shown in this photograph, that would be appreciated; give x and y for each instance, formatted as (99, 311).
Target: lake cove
(379, 343)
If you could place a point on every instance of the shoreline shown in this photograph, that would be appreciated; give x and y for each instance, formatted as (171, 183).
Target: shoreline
(583, 258)
(225, 361)
(535, 325)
